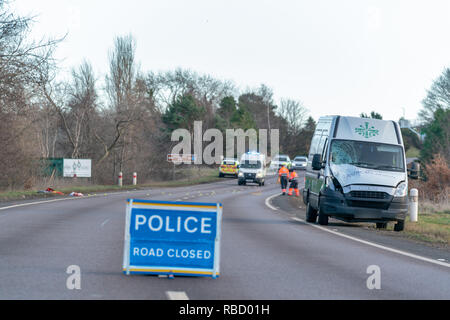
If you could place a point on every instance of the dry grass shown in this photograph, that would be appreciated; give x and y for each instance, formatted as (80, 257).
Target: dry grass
(430, 227)
(189, 176)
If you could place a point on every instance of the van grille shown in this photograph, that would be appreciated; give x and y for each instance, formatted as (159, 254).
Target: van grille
(369, 194)
(368, 204)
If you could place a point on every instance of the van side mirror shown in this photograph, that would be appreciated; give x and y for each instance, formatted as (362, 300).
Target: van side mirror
(316, 163)
(414, 171)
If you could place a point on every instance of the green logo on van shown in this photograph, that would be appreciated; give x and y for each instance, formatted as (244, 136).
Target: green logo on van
(366, 131)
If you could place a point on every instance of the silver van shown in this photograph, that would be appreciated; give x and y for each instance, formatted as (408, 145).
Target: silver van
(356, 172)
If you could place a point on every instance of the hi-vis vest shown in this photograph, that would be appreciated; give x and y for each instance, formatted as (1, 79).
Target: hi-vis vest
(293, 175)
(283, 172)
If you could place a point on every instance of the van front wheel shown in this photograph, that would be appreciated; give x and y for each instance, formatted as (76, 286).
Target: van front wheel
(323, 218)
(311, 214)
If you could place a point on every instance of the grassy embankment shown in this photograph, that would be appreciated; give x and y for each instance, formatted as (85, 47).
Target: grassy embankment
(192, 178)
(433, 224)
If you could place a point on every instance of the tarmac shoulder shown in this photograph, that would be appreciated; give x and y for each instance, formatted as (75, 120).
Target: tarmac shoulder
(293, 207)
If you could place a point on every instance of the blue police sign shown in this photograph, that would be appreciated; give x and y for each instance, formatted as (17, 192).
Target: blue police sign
(173, 238)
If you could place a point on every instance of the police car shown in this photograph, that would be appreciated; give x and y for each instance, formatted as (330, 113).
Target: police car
(229, 167)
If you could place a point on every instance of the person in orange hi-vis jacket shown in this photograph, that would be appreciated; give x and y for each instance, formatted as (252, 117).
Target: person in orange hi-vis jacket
(283, 175)
(294, 183)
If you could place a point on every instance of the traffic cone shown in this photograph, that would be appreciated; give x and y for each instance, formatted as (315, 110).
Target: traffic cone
(297, 192)
(290, 192)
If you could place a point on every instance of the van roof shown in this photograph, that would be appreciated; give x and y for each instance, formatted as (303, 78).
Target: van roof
(366, 129)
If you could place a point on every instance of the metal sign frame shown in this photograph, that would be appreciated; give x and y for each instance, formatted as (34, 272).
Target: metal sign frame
(172, 208)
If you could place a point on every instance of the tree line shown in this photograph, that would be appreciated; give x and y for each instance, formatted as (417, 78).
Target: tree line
(125, 124)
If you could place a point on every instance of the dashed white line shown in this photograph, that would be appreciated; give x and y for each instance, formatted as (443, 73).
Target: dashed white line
(177, 295)
(104, 222)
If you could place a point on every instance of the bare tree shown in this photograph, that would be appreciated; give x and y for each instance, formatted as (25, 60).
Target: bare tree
(295, 114)
(124, 105)
(168, 86)
(21, 61)
(438, 96)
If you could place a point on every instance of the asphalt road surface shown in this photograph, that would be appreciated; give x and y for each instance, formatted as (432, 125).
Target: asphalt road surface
(265, 254)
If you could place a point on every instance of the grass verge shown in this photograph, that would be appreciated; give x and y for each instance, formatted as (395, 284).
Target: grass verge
(431, 227)
(86, 189)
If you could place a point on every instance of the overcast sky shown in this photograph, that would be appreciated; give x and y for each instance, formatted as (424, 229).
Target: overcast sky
(337, 57)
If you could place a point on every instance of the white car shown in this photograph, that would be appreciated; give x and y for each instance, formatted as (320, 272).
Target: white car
(279, 160)
(300, 163)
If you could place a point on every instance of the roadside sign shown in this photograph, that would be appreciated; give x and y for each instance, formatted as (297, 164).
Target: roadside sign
(181, 158)
(172, 238)
(80, 168)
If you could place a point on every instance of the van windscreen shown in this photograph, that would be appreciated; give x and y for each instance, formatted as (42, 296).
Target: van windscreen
(249, 164)
(370, 155)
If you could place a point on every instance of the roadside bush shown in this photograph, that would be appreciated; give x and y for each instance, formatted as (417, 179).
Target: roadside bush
(436, 187)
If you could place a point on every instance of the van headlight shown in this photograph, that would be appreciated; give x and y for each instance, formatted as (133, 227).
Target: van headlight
(240, 174)
(401, 190)
(333, 183)
(329, 183)
(259, 174)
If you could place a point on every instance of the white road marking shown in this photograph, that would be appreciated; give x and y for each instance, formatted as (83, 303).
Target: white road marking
(404, 253)
(37, 202)
(103, 223)
(59, 199)
(268, 201)
(177, 295)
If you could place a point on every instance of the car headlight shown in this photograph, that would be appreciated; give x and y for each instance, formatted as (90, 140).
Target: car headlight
(259, 174)
(401, 190)
(240, 174)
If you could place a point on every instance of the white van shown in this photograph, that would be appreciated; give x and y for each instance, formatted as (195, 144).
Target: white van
(252, 168)
(356, 172)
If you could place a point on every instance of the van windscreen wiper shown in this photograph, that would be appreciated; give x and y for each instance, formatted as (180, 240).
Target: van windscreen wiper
(389, 167)
(363, 164)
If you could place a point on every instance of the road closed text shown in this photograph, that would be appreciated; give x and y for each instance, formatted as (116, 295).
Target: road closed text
(171, 253)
